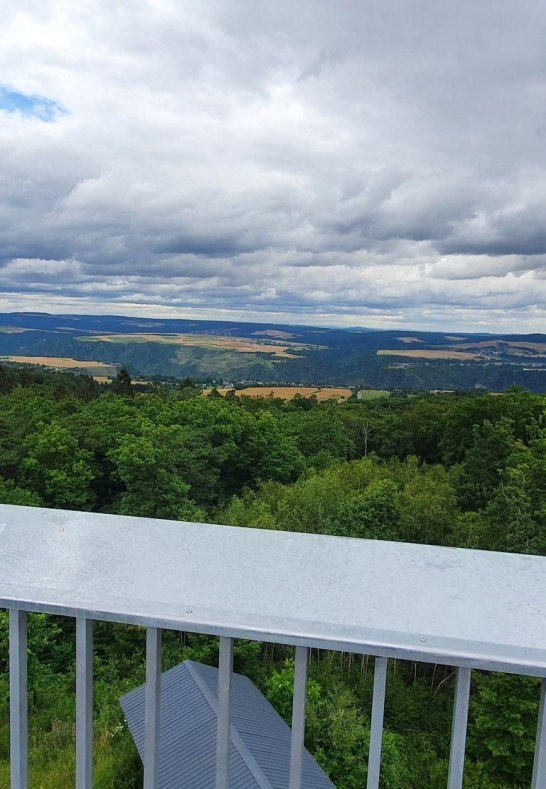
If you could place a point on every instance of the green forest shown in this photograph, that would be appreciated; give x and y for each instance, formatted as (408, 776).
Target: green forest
(454, 469)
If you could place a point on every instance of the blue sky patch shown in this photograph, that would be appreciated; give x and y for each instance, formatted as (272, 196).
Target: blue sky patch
(30, 106)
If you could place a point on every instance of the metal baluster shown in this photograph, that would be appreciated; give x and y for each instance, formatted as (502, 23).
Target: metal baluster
(18, 699)
(376, 732)
(223, 732)
(458, 730)
(539, 767)
(152, 706)
(298, 718)
(84, 703)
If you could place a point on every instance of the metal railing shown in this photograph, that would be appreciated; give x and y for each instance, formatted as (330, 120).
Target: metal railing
(22, 545)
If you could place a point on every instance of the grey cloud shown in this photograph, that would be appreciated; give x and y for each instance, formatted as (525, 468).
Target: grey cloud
(375, 159)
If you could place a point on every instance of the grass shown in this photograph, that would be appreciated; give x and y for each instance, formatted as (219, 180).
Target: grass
(373, 394)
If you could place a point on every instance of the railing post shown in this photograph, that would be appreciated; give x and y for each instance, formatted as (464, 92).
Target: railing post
(376, 730)
(458, 729)
(152, 706)
(298, 718)
(84, 703)
(18, 699)
(539, 766)
(223, 731)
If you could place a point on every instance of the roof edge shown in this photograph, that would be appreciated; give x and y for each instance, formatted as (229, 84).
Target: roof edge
(236, 738)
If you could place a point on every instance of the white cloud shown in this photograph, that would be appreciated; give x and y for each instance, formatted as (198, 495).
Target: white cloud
(371, 163)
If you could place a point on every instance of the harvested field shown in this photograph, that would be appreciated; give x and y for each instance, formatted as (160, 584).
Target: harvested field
(288, 392)
(461, 356)
(63, 363)
(280, 335)
(508, 346)
(285, 350)
(409, 340)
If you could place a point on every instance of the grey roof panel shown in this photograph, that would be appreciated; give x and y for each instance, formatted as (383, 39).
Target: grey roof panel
(263, 731)
(187, 744)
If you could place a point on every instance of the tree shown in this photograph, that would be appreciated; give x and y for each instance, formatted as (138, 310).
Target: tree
(503, 714)
(122, 384)
(154, 467)
(374, 513)
(12, 494)
(56, 468)
(481, 471)
(6, 382)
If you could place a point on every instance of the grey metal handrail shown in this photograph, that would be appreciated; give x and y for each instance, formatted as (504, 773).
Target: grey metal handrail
(469, 609)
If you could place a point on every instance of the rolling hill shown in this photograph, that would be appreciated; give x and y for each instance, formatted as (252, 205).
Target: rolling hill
(271, 353)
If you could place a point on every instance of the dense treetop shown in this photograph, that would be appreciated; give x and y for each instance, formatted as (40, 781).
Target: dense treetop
(456, 470)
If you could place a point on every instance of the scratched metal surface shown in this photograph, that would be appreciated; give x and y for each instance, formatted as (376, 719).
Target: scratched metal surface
(446, 605)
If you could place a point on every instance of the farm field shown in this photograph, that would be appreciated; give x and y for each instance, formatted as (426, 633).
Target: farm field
(395, 359)
(289, 392)
(373, 394)
(423, 353)
(64, 363)
(282, 349)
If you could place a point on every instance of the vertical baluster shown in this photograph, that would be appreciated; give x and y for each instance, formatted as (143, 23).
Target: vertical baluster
(84, 703)
(152, 706)
(458, 730)
(298, 718)
(18, 699)
(539, 767)
(376, 732)
(223, 732)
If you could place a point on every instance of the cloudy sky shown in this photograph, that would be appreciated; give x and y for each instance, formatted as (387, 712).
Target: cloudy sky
(358, 162)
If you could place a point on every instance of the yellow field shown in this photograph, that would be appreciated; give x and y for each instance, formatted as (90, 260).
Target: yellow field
(288, 392)
(280, 335)
(62, 363)
(281, 349)
(508, 346)
(460, 356)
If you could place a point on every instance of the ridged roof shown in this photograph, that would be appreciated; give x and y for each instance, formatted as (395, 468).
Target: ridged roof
(260, 739)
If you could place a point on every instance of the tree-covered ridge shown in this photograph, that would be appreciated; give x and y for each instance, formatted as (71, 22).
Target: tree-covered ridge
(378, 359)
(443, 469)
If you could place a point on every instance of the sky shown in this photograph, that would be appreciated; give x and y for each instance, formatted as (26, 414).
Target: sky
(372, 163)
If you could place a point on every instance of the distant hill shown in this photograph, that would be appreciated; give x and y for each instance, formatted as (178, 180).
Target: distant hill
(283, 354)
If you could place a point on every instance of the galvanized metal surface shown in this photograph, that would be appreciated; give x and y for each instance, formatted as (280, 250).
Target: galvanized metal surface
(223, 729)
(539, 765)
(298, 717)
(84, 703)
(376, 728)
(259, 738)
(446, 605)
(458, 729)
(18, 699)
(152, 707)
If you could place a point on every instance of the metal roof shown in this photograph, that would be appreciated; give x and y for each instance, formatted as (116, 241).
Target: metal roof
(449, 605)
(260, 739)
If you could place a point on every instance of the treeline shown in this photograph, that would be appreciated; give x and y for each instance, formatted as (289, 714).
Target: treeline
(447, 469)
